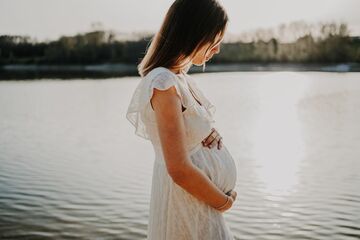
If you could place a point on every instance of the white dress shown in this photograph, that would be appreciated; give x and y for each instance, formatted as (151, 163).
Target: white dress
(174, 213)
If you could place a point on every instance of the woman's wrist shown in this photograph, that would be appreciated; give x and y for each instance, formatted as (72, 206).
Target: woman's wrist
(223, 206)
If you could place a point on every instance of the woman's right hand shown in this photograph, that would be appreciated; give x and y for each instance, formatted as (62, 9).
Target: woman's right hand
(233, 195)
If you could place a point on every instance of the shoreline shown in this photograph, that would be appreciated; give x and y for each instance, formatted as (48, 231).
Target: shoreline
(29, 72)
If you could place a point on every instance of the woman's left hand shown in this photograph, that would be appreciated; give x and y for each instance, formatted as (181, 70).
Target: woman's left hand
(213, 139)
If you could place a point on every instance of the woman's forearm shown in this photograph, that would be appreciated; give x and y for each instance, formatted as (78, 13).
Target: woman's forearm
(195, 181)
(173, 140)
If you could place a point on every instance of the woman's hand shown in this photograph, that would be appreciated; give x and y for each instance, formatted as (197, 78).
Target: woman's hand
(213, 139)
(233, 196)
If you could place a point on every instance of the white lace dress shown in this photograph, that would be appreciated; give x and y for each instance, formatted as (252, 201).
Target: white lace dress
(174, 213)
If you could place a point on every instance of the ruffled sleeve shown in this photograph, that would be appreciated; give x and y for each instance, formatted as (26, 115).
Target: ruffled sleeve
(163, 81)
(140, 112)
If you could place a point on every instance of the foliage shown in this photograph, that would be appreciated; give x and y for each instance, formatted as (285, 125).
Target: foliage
(330, 43)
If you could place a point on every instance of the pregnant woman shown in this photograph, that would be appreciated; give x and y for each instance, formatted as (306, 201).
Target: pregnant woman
(194, 174)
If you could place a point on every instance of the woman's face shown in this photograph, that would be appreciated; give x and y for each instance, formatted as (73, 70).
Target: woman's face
(200, 58)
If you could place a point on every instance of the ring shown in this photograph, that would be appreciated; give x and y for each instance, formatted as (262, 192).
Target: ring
(210, 139)
(213, 132)
(212, 136)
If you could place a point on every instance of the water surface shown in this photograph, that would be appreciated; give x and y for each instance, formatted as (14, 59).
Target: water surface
(71, 166)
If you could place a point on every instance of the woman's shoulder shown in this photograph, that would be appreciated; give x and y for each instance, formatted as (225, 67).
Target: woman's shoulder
(163, 71)
(162, 78)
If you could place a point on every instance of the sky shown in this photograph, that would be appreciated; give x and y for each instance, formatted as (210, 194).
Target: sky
(50, 19)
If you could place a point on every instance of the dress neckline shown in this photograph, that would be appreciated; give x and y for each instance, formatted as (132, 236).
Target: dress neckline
(189, 87)
(182, 75)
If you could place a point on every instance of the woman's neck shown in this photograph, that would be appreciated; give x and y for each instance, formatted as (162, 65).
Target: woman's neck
(177, 71)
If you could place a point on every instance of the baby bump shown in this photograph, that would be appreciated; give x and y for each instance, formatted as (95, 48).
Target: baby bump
(218, 165)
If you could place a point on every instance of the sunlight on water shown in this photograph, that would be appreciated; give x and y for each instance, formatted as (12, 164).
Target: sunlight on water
(71, 166)
(278, 144)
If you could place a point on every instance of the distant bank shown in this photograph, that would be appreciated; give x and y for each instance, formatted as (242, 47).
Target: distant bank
(22, 72)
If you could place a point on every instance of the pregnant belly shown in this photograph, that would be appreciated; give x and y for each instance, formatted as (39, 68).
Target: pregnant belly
(218, 165)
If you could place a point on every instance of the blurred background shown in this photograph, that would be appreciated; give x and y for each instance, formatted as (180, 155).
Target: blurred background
(42, 37)
(286, 86)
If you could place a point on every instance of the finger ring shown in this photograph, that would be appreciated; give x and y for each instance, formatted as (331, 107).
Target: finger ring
(212, 137)
(213, 133)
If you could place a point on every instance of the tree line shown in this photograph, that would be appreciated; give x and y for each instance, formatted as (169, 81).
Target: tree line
(324, 43)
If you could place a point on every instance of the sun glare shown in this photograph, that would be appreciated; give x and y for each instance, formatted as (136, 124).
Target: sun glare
(278, 143)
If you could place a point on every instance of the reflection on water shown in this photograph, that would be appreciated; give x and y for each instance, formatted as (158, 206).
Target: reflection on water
(278, 144)
(70, 166)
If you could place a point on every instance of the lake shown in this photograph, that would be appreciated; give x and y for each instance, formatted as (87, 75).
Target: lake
(71, 166)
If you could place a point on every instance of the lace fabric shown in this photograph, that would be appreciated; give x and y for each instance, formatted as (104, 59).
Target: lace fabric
(173, 212)
(211, 109)
(140, 110)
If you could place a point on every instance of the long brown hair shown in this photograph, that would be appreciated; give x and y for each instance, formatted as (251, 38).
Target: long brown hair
(187, 27)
